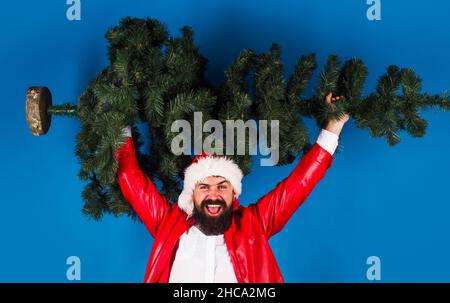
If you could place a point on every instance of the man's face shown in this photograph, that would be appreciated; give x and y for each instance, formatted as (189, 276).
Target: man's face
(213, 198)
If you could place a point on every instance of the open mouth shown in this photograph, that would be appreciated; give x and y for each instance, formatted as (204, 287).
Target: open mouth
(213, 210)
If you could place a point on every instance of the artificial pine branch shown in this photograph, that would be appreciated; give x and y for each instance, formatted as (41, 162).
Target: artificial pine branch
(157, 79)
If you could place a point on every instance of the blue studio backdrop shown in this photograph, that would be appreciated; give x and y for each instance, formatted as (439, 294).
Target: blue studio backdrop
(388, 202)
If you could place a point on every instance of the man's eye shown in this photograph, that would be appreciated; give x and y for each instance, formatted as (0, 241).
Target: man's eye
(223, 187)
(203, 187)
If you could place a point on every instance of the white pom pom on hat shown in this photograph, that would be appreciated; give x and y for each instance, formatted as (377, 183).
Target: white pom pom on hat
(204, 166)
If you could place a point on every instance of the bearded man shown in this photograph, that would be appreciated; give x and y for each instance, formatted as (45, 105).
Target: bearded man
(207, 236)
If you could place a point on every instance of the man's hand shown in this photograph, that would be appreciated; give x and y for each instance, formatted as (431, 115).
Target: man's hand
(126, 131)
(335, 126)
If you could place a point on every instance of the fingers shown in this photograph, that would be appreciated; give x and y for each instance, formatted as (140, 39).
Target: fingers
(330, 97)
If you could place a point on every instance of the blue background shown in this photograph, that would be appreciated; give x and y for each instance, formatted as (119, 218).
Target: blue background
(374, 201)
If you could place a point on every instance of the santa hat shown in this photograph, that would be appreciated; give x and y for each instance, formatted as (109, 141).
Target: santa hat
(203, 166)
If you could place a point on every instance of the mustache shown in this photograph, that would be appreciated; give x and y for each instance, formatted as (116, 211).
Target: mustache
(220, 202)
(212, 226)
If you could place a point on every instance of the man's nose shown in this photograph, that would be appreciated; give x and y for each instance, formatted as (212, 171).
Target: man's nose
(213, 192)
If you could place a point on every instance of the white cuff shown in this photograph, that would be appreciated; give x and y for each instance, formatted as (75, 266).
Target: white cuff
(126, 131)
(328, 141)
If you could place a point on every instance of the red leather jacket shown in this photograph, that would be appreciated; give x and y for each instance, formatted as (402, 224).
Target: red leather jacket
(251, 228)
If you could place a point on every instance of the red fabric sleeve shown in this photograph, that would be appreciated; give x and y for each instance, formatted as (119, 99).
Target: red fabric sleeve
(276, 207)
(139, 190)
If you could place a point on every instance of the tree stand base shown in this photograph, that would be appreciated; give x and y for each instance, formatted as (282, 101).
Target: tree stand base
(38, 100)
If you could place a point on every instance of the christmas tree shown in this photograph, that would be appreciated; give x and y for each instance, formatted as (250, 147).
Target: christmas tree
(156, 79)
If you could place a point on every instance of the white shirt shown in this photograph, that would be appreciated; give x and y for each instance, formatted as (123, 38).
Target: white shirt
(202, 259)
(205, 259)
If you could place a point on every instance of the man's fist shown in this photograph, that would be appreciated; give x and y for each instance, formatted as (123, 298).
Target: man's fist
(126, 131)
(336, 126)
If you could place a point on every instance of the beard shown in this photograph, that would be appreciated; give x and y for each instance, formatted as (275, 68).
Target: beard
(212, 226)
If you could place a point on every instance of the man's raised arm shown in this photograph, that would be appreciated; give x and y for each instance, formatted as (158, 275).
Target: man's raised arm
(276, 207)
(138, 189)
